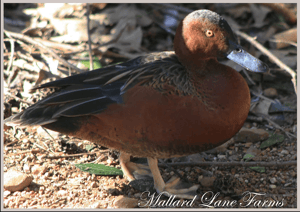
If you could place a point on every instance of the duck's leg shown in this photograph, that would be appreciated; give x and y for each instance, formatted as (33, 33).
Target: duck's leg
(132, 170)
(174, 186)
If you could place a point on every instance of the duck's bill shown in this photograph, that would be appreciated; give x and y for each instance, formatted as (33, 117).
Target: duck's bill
(243, 58)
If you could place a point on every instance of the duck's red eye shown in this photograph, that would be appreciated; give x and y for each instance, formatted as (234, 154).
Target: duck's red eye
(209, 33)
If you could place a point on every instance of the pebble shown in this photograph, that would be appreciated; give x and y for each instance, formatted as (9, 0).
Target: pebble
(62, 192)
(274, 149)
(16, 181)
(26, 168)
(287, 184)
(207, 181)
(36, 170)
(251, 135)
(270, 92)
(6, 193)
(293, 173)
(187, 169)
(14, 109)
(94, 185)
(222, 157)
(125, 202)
(248, 144)
(284, 152)
(273, 180)
(272, 186)
(97, 205)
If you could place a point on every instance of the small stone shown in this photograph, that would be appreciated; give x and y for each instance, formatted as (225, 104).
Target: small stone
(6, 193)
(284, 152)
(270, 92)
(187, 169)
(26, 168)
(97, 205)
(109, 162)
(25, 141)
(113, 191)
(62, 192)
(125, 202)
(248, 144)
(207, 181)
(94, 185)
(293, 174)
(15, 110)
(36, 170)
(222, 157)
(272, 186)
(287, 184)
(251, 135)
(274, 149)
(273, 180)
(16, 181)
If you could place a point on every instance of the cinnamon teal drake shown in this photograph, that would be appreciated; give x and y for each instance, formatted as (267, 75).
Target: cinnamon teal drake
(161, 105)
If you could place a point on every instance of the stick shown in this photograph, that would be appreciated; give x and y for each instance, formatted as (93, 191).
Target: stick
(271, 56)
(74, 155)
(89, 36)
(42, 47)
(234, 163)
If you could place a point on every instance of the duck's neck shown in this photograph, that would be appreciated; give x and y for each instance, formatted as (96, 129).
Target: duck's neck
(200, 67)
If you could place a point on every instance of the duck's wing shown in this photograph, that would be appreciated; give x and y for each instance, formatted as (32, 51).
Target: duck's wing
(91, 92)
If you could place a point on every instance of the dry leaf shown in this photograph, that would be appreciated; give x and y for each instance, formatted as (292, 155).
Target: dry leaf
(259, 14)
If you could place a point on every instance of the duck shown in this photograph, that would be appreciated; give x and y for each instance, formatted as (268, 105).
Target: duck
(160, 105)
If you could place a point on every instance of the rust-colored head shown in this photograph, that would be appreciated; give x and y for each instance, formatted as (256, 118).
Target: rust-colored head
(203, 35)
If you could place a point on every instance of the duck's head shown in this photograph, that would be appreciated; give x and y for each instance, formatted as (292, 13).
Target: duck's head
(203, 35)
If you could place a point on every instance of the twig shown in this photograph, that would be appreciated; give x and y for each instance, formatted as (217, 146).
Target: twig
(254, 118)
(277, 126)
(63, 47)
(18, 98)
(271, 56)
(11, 60)
(39, 146)
(10, 143)
(248, 77)
(42, 47)
(48, 133)
(174, 170)
(89, 36)
(261, 96)
(233, 163)
(33, 151)
(74, 155)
